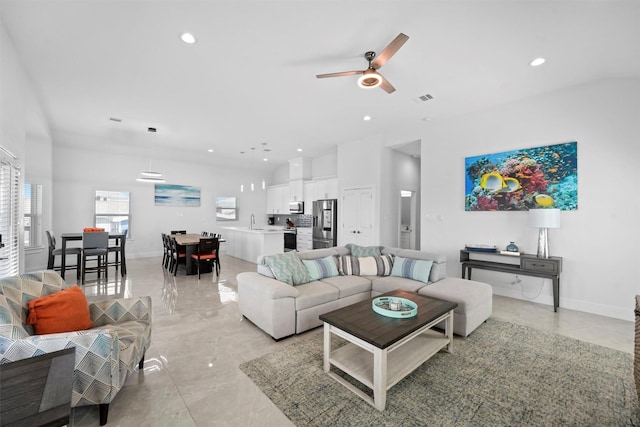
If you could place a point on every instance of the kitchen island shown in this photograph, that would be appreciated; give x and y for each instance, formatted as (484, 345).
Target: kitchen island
(248, 244)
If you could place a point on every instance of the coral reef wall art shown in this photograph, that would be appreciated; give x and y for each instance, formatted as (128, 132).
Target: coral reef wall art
(519, 180)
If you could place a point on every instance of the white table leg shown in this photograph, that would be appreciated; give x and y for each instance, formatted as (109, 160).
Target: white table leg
(380, 378)
(327, 347)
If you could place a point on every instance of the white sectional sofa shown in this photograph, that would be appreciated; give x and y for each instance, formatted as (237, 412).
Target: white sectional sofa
(282, 309)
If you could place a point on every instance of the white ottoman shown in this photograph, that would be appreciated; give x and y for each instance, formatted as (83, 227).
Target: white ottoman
(475, 301)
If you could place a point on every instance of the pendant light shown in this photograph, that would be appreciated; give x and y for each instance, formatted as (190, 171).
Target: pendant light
(149, 175)
(253, 149)
(265, 150)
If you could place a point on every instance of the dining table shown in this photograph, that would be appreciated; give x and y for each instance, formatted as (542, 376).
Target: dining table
(66, 237)
(191, 242)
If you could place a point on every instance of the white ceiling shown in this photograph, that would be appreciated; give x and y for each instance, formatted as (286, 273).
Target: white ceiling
(250, 78)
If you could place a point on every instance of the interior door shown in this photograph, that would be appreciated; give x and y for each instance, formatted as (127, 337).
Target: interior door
(358, 216)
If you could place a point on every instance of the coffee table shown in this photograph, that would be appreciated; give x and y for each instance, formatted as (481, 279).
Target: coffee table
(383, 350)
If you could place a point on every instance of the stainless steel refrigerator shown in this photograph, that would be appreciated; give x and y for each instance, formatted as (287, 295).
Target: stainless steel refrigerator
(325, 223)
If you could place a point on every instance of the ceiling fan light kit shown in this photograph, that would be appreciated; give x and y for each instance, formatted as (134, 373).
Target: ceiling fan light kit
(370, 78)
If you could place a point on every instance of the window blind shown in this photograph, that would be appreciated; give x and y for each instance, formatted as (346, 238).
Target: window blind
(9, 217)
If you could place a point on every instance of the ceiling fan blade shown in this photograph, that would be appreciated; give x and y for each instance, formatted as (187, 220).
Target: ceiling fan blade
(386, 86)
(389, 51)
(340, 74)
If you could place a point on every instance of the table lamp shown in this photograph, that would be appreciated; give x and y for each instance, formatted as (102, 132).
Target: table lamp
(544, 219)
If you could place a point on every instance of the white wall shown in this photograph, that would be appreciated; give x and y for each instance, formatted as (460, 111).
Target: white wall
(24, 132)
(598, 242)
(78, 173)
(359, 166)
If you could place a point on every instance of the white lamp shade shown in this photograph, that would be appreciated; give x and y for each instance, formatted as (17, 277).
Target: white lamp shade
(544, 218)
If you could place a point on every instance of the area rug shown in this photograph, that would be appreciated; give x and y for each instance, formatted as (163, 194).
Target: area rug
(502, 375)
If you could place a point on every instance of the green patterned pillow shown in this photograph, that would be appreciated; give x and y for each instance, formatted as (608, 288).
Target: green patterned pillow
(321, 267)
(416, 269)
(362, 251)
(287, 268)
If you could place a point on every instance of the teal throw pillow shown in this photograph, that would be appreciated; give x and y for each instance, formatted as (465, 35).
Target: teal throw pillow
(362, 251)
(288, 268)
(321, 267)
(416, 269)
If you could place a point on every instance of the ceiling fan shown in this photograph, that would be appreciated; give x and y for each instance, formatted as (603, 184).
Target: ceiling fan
(370, 77)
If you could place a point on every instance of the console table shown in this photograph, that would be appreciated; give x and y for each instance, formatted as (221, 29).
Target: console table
(529, 265)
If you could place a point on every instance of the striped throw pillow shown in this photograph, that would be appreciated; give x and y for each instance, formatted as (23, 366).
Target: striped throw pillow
(415, 269)
(365, 266)
(321, 267)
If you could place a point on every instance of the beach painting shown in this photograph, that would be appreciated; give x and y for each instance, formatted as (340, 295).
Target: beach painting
(177, 195)
(519, 180)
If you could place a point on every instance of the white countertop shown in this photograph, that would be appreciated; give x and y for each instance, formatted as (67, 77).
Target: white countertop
(256, 229)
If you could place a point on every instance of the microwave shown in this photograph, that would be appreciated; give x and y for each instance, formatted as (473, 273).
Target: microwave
(296, 207)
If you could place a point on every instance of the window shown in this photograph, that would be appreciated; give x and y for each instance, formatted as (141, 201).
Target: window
(112, 211)
(32, 202)
(9, 216)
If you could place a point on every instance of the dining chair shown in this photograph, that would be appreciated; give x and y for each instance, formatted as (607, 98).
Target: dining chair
(53, 252)
(207, 252)
(118, 250)
(178, 256)
(95, 248)
(166, 251)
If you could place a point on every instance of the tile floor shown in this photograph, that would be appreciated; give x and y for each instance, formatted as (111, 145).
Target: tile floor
(191, 375)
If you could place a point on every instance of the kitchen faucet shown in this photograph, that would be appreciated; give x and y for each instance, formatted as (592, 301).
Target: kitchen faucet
(252, 221)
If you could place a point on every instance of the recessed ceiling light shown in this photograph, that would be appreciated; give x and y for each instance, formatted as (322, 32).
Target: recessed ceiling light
(210, 150)
(426, 118)
(265, 159)
(188, 38)
(299, 149)
(152, 130)
(366, 118)
(536, 62)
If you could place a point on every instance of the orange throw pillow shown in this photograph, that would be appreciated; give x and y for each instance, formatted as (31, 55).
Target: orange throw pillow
(64, 311)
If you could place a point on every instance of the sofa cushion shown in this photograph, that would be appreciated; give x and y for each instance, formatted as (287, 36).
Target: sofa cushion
(349, 285)
(467, 293)
(287, 268)
(64, 311)
(415, 269)
(438, 269)
(323, 252)
(385, 284)
(321, 267)
(315, 293)
(362, 251)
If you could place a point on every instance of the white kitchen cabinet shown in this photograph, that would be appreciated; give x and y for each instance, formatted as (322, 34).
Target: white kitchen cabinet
(304, 239)
(310, 195)
(327, 188)
(278, 199)
(296, 191)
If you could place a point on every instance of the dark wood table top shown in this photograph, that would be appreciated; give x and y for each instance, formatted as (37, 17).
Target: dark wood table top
(361, 321)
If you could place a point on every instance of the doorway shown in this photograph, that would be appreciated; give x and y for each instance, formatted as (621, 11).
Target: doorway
(408, 215)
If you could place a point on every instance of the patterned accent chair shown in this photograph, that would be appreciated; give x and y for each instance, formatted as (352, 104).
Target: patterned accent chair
(105, 355)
